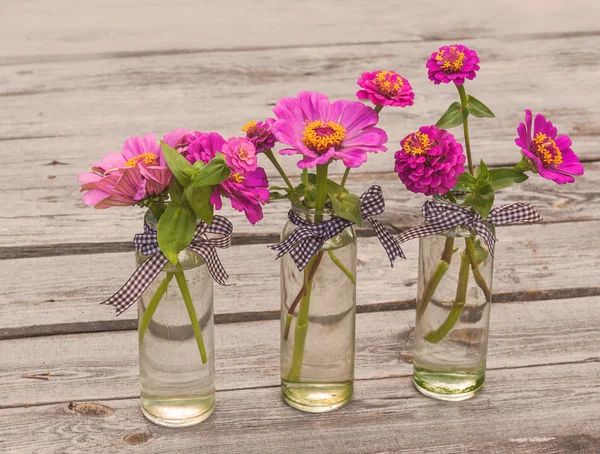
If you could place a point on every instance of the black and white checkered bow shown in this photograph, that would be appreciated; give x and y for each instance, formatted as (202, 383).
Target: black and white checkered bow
(311, 237)
(147, 244)
(442, 217)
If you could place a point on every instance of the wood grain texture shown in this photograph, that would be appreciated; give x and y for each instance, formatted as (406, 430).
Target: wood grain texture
(33, 33)
(524, 410)
(104, 365)
(70, 293)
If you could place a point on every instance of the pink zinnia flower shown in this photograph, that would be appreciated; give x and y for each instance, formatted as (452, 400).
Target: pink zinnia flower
(260, 134)
(430, 161)
(240, 154)
(385, 88)
(180, 138)
(124, 179)
(246, 187)
(453, 63)
(551, 155)
(321, 131)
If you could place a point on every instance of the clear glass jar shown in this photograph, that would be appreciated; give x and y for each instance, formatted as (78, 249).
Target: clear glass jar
(177, 372)
(318, 329)
(453, 313)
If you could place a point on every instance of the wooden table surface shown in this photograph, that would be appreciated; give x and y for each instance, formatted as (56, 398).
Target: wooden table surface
(78, 78)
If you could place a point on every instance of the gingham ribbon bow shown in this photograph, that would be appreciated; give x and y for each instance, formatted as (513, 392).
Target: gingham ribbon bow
(147, 244)
(310, 237)
(442, 217)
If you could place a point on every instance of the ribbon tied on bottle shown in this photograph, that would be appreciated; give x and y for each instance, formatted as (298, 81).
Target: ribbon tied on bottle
(442, 217)
(147, 243)
(305, 241)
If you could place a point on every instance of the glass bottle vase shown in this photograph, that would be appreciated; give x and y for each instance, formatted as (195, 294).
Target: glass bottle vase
(176, 343)
(452, 315)
(318, 312)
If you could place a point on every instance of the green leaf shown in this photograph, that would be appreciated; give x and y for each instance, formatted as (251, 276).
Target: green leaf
(503, 178)
(274, 195)
(176, 191)
(199, 200)
(465, 182)
(346, 207)
(481, 203)
(453, 117)
(180, 166)
(479, 109)
(176, 229)
(481, 254)
(215, 172)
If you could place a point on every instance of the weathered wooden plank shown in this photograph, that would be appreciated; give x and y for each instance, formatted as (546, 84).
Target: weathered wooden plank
(203, 92)
(71, 302)
(51, 212)
(523, 410)
(104, 365)
(226, 25)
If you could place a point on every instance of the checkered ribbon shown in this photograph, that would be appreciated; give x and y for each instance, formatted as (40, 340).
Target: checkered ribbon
(442, 217)
(147, 244)
(310, 237)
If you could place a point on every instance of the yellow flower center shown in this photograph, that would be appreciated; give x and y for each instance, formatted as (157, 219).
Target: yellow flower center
(546, 150)
(452, 61)
(388, 83)
(237, 177)
(417, 144)
(149, 159)
(320, 136)
(249, 127)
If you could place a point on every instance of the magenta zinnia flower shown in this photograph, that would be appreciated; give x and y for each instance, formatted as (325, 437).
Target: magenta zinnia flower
(551, 155)
(260, 134)
(126, 178)
(453, 63)
(430, 161)
(322, 131)
(385, 88)
(247, 185)
(180, 138)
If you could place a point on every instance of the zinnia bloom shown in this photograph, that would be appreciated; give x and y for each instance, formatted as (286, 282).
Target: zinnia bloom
(124, 179)
(453, 64)
(260, 134)
(321, 131)
(180, 138)
(551, 155)
(385, 88)
(430, 161)
(247, 185)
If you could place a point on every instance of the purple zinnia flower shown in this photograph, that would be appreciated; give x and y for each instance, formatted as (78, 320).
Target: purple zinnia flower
(322, 131)
(260, 134)
(430, 161)
(385, 88)
(247, 186)
(551, 155)
(453, 63)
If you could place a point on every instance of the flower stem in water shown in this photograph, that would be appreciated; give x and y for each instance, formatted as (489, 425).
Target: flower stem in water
(189, 304)
(436, 277)
(153, 305)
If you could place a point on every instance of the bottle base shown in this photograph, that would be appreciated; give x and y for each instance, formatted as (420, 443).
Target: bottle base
(178, 412)
(316, 397)
(451, 391)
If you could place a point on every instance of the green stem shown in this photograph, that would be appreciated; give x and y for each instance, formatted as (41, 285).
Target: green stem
(301, 293)
(189, 304)
(321, 195)
(343, 183)
(523, 165)
(157, 209)
(269, 154)
(341, 266)
(464, 103)
(378, 108)
(479, 279)
(153, 305)
(436, 277)
(437, 335)
(301, 331)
